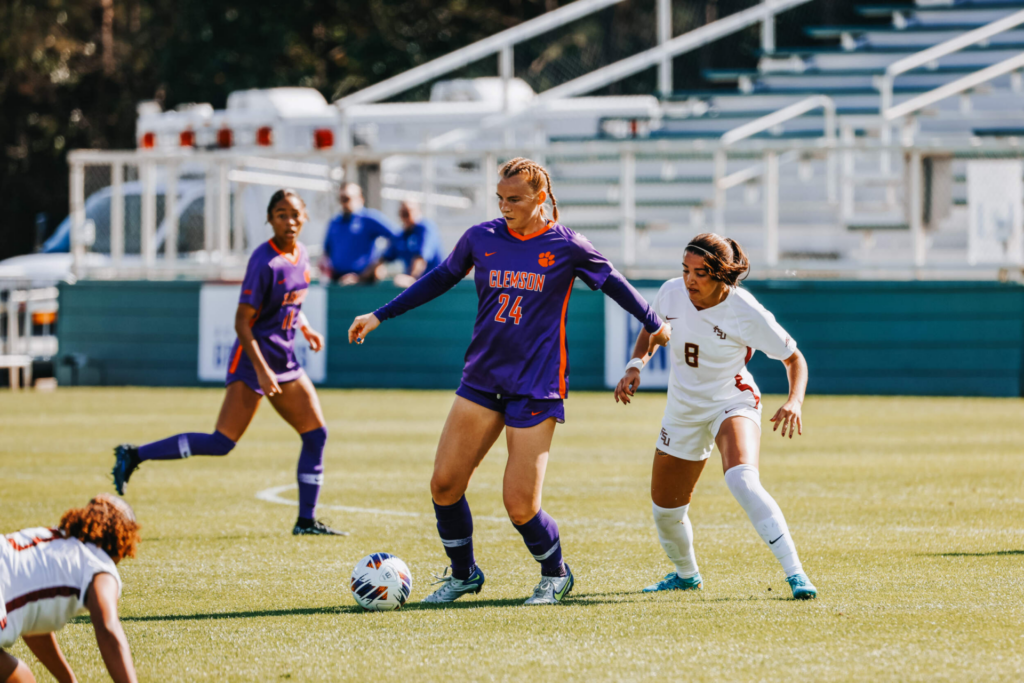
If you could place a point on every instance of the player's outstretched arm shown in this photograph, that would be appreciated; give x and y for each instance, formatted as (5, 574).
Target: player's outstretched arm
(645, 347)
(427, 288)
(101, 599)
(47, 651)
(790, 414)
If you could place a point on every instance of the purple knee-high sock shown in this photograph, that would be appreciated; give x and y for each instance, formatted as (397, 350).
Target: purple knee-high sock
(311, 470)
(186, 445)
(541, 537)
(455, 524)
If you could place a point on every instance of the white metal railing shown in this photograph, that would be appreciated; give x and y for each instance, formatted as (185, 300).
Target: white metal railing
(956, 87)
(661, 56)
(770, 167)
(934, 53)
(500, 43)
(631, 215)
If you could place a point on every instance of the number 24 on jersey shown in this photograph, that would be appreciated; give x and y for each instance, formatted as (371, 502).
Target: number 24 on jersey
(516, 313)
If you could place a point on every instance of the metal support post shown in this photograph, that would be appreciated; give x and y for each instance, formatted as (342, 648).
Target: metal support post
(429, 173)
(490, 183)
(117, 212)
(846, 195)
(719, 190)
(148, 248)
(915, 206)
(665, 35)
(13, 304)
(771, 208)
(171, 214)
(77, 212)
(627, 203)
(223, 210)
(506, 69)
(209, 210)
(768, 28)
(238, 219)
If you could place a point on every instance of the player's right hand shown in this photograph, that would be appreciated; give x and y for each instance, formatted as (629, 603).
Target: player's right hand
(660, 338)
(362, 326)
(268, 383)
(627, 386)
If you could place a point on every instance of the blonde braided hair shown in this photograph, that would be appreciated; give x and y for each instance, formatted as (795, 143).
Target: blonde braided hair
(536, 176)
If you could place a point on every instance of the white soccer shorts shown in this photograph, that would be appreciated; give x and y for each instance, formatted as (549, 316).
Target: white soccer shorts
(696, 440)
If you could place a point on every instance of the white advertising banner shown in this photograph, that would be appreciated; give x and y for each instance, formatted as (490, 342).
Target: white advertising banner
(995, 195)
(217, 306)
(620, 333)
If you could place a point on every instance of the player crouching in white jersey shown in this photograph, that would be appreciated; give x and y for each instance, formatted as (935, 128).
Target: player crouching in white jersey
(712, 399)
(48, 576)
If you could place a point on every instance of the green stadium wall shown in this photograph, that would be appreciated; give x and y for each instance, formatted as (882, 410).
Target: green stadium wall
(910, 338)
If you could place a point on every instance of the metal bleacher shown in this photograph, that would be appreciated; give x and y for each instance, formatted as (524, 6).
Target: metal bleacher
(870, 229)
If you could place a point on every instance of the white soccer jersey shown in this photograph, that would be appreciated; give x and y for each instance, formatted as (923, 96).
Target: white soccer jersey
(43, 581)
(710, 350)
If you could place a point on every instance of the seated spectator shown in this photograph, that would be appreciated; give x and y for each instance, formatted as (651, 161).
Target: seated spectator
(350, 252)
(418, 246)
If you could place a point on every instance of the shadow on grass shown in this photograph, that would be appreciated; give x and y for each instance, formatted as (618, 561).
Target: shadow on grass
(994, 553)
(298, 611)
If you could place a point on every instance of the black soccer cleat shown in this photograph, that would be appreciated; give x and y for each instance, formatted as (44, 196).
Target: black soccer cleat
(314, 527)
(126, 461)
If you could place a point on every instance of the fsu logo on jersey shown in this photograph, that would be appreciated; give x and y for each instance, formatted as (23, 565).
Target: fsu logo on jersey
(718, 331)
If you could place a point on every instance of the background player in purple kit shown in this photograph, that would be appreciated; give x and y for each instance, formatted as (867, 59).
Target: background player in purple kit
(516, 372)
(263, 363)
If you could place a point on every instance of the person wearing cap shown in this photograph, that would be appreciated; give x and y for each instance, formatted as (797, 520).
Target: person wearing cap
(49, 575)
(418, 246)
(351, 255)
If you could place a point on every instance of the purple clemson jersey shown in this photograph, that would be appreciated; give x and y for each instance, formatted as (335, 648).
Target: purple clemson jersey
(519, 345)
(275, 285)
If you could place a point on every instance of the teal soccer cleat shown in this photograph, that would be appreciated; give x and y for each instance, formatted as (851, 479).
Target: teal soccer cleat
(802, 587)
(452, 589)
(673, 582)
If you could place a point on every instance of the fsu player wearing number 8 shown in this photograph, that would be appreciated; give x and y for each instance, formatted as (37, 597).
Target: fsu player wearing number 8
(516, 371)
(713, 400)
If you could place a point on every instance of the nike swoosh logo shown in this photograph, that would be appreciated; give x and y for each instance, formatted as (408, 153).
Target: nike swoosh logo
(676, 318)
(280, 282)
(729, 411)
(773, 542)
(537, 413)
(492, 253)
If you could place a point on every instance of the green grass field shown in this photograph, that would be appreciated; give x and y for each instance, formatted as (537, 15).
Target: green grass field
(908, 514)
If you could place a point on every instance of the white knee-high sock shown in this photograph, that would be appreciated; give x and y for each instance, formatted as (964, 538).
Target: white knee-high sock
(744, 482)
(676, 535)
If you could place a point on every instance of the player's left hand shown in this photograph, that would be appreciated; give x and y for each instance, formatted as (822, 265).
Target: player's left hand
(627, 386)
(788, 416)
(315, 339)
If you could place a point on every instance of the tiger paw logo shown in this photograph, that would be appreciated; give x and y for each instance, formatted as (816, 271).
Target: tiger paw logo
(547, 259)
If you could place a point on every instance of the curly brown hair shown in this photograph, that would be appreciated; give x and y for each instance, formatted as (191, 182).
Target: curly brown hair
(106, 522)
(723, 257)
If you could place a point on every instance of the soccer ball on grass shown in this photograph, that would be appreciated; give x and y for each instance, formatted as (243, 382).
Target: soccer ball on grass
(381, 582)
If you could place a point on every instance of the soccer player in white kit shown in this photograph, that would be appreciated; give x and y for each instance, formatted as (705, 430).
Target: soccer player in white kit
(47, 576)
(712, 399)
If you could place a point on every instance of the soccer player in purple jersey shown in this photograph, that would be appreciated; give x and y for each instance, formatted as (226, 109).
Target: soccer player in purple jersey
(516, 372)
(263, 363)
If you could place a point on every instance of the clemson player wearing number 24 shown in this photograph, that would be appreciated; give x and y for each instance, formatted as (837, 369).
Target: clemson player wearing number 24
(517, 371)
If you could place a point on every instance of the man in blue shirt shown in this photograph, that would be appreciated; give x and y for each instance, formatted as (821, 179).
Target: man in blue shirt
(418, 246)
(350, 252)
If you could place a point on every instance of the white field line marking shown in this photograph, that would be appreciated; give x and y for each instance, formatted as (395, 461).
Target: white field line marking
(272, 495)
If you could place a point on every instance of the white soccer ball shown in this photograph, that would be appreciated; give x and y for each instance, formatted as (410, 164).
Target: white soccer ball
(381, 582)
